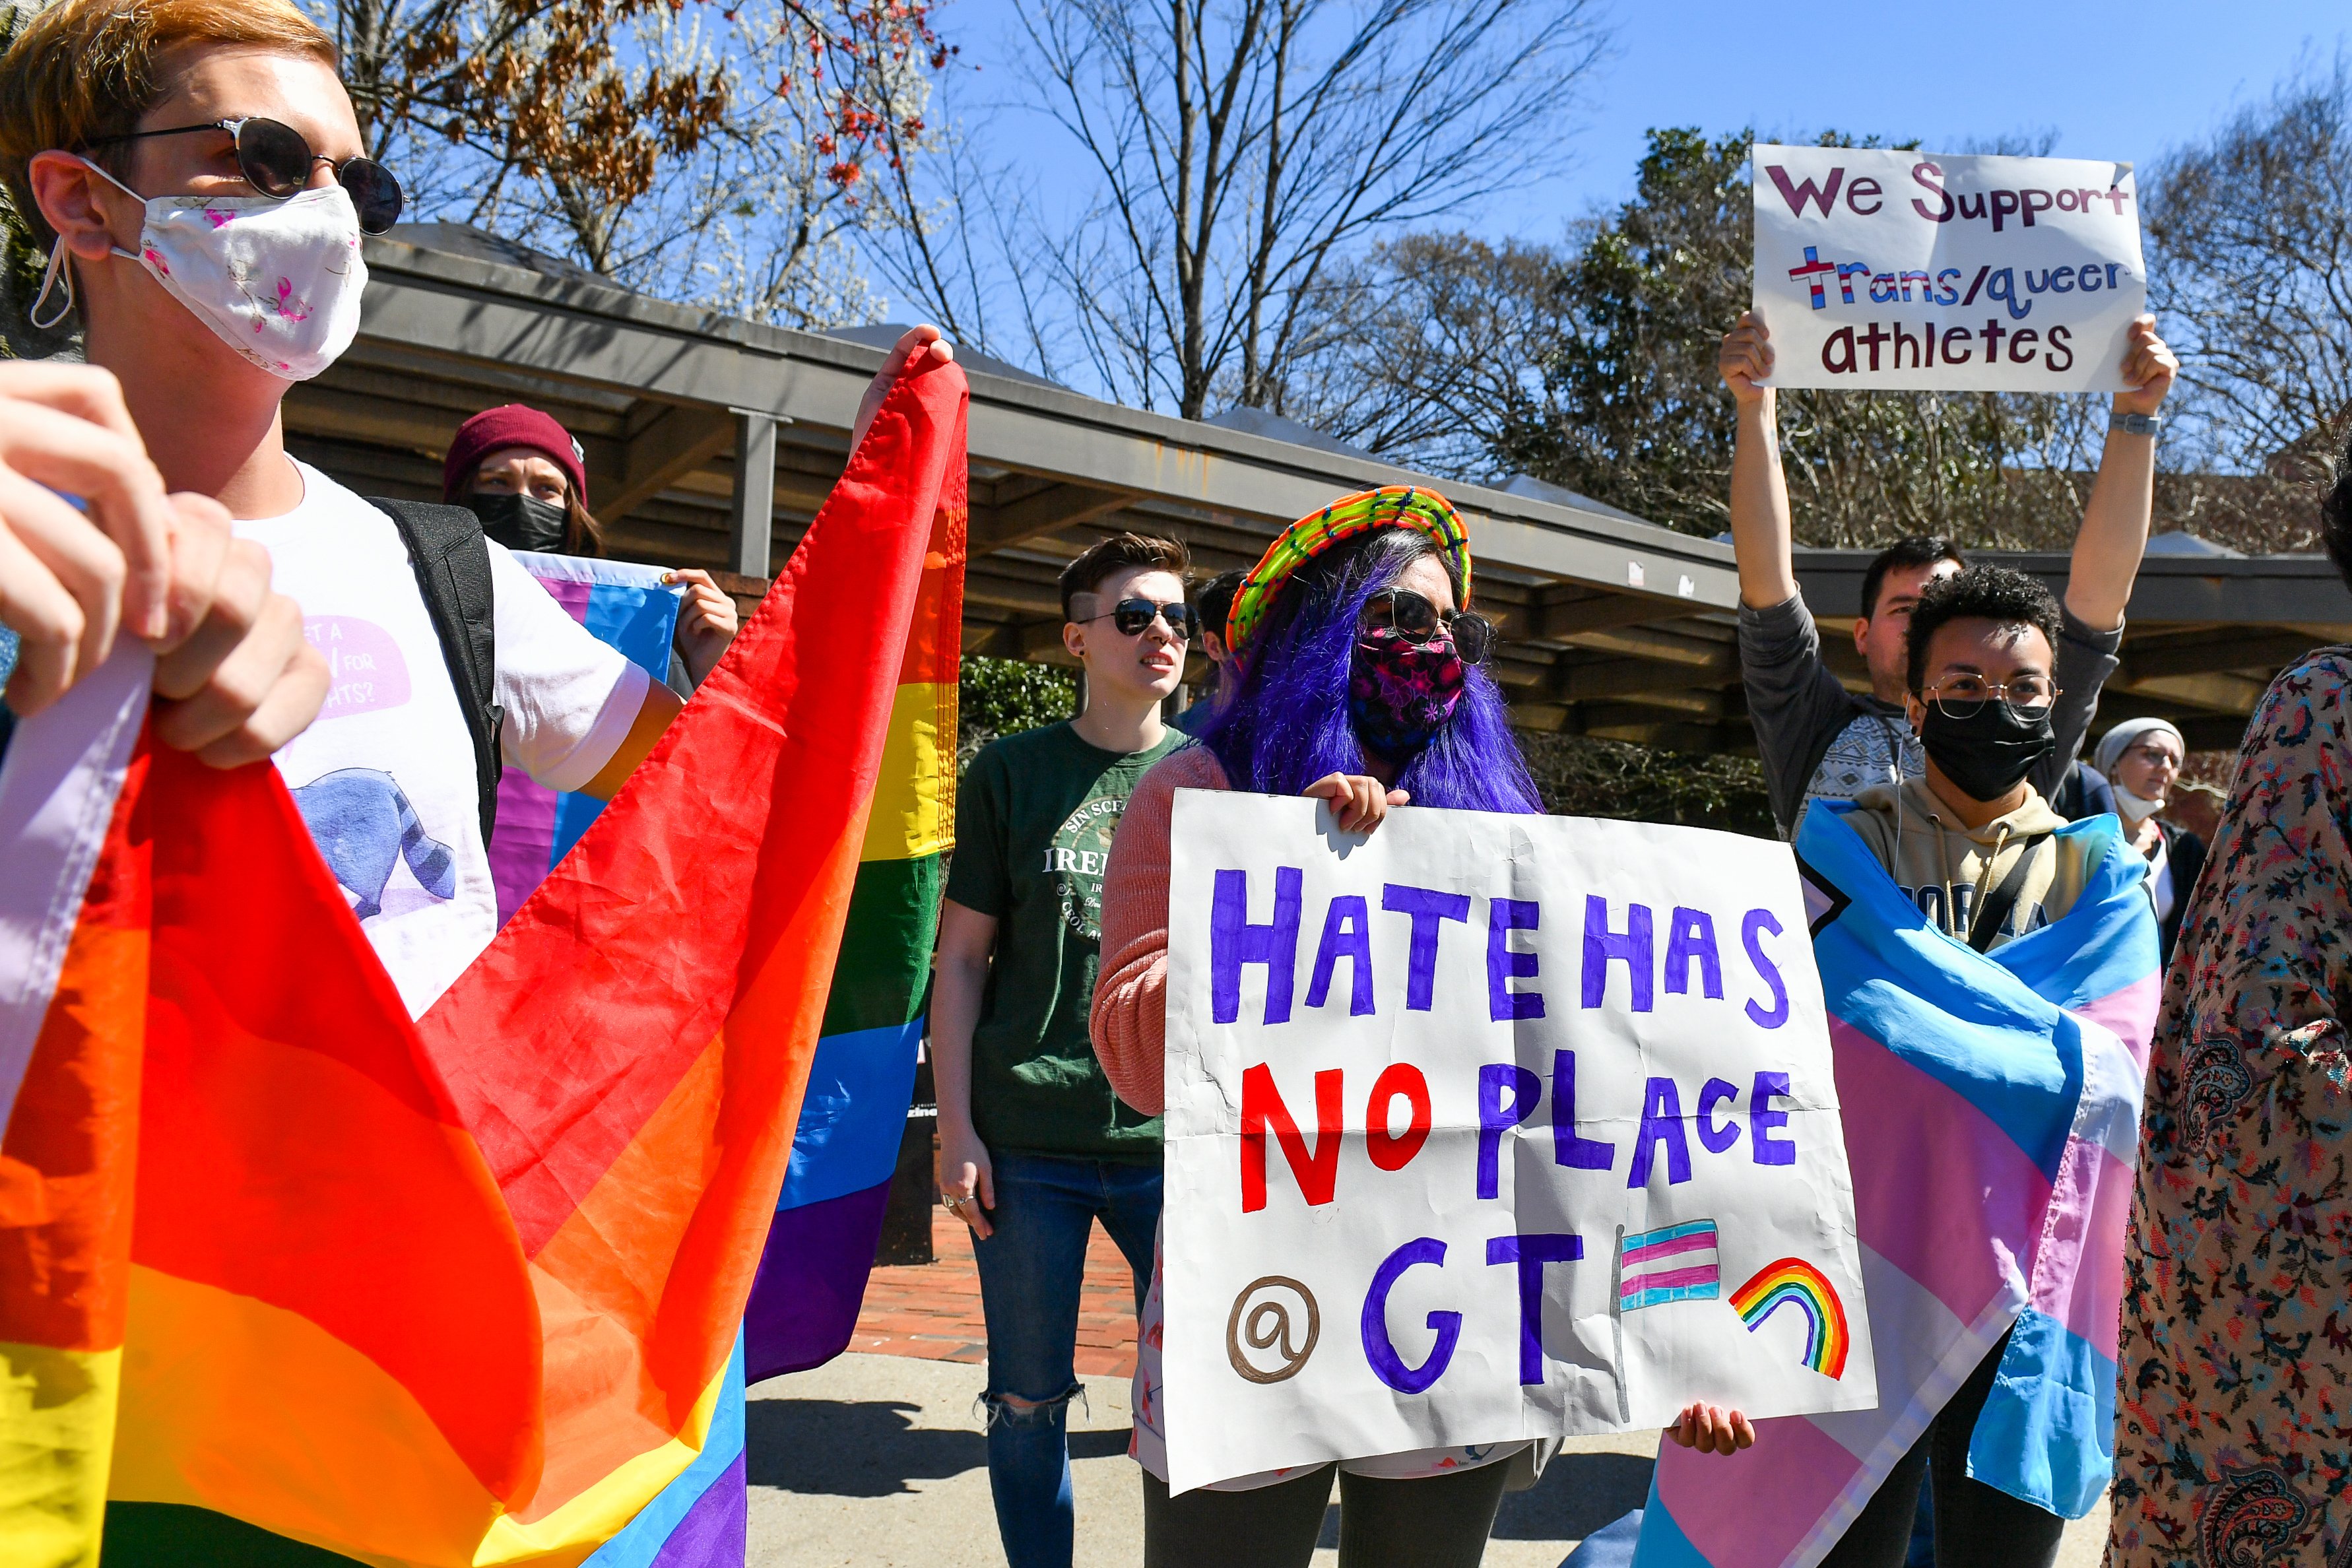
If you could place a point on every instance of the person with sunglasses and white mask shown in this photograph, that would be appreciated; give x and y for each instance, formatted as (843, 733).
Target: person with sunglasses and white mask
(198, 171)
(1034, 1146)
(2141, 760)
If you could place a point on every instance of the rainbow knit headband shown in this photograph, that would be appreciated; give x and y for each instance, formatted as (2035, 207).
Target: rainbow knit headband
(1393, 506)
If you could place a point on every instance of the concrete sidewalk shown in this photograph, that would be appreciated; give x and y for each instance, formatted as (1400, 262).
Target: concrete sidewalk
(879, 1461)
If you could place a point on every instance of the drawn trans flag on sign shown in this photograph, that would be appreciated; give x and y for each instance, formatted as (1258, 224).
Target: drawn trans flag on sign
(629, 608)
(1675, 1263)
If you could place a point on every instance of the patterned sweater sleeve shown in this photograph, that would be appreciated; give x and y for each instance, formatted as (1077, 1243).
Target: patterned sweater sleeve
(1129, 1017)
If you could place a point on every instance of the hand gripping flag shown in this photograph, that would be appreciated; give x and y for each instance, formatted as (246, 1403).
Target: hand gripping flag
(289, 1278)
(1991, 1182)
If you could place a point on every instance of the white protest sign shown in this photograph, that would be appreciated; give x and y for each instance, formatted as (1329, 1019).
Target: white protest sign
(1488, 1127)
(1878, 268)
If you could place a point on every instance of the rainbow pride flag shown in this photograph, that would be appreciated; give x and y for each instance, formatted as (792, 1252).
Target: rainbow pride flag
(286, 1278)
(820, 1246)
(1992, 1183)
(629, 608)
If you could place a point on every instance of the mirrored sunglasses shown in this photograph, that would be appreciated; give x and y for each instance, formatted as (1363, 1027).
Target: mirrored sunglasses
(1415, 615)
(1132, 617)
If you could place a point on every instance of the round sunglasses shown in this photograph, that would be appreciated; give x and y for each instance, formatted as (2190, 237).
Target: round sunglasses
(1132, 617)
(276, 161)
(1414, 615)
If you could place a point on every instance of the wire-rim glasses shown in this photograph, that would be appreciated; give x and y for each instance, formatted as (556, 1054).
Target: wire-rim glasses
(1963, 697)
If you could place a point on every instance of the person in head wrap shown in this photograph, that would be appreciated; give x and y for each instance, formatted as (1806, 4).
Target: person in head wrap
(2140, 759)
(526, 478)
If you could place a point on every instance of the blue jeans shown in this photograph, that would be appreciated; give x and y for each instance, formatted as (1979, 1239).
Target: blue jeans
(1030, 1272)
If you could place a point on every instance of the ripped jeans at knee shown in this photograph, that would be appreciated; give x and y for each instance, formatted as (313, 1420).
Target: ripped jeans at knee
(1016, 1411)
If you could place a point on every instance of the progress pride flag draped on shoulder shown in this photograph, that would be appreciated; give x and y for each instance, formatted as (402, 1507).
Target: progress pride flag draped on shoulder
(463, 1292)
(1992, 1183)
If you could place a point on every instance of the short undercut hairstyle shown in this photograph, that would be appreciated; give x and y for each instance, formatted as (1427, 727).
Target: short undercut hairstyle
(1992, 593)
(1915, 551)
(1216, 601)
(1120, 552)
(83, 71)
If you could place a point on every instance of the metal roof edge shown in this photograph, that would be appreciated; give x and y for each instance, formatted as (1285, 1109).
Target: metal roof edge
(615, 302)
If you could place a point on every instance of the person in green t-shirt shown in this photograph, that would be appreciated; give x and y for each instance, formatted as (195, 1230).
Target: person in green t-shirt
(1034, 1146)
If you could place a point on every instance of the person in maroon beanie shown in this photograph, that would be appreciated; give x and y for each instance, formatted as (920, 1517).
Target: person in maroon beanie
(524, 475)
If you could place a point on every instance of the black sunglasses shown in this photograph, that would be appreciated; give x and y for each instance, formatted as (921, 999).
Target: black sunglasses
(277, 162)
(1133, 617)
(1414, 615)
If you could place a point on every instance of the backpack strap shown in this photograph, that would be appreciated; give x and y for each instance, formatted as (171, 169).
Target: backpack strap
(453, 574)
(1993, 914)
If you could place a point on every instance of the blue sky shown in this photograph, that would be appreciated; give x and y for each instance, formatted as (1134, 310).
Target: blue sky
(2114, 81)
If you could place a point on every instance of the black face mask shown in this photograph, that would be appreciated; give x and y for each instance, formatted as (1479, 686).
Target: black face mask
(1988, 752)
(521, 521)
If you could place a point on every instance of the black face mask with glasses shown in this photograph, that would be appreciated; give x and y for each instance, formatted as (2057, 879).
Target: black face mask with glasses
(1986, 738)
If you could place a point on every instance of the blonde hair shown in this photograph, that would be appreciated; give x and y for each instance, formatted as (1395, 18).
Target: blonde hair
(84, 70)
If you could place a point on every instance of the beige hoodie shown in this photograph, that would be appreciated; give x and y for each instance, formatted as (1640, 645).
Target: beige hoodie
(1946, 867)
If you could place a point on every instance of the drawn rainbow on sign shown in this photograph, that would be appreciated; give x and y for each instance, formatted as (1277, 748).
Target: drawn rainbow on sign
(1793, 1282)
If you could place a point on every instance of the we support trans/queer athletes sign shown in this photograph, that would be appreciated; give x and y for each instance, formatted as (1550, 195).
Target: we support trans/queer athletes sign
(1878, 268)
(1489, 1127)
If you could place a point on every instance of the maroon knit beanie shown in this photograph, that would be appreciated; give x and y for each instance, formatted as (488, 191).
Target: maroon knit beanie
(511, 425)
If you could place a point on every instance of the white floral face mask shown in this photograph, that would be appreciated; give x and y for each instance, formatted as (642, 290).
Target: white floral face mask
(278, 281)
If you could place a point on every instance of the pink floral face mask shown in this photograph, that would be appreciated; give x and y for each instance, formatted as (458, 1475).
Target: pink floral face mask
(278, 281)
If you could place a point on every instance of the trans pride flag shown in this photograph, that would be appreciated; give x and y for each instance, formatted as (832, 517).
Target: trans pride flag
(1993, 1176)
(1677, 1263)
(286, 1278)
(629, 608)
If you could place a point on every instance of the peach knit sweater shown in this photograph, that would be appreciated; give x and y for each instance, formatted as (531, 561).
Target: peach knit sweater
(1129, 1019)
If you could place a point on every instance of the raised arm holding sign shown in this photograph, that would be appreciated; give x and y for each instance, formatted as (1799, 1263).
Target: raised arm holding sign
(1817, 740)
(1920, 819)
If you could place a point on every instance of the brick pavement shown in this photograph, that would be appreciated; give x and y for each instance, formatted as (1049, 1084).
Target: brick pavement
(932, 1310)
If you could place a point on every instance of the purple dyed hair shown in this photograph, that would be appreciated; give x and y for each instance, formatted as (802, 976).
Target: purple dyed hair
(1286, 723)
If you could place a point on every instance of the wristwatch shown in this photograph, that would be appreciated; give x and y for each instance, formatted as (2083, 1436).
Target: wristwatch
(2136, 423)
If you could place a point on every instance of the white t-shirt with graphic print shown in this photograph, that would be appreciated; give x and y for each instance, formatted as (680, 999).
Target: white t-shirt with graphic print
(384, 777)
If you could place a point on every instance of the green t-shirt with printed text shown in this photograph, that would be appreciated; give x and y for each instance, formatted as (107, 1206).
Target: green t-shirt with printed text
(1034, 818)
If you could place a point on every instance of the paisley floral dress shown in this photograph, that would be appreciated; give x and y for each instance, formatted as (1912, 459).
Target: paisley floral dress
(2233, 1438)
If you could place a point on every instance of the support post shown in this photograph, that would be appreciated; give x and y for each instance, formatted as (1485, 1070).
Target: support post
(753, 520)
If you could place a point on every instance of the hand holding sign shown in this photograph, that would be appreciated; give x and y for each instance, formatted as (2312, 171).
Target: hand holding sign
(1745, 362)
(1893, 269)
(1486, 1127)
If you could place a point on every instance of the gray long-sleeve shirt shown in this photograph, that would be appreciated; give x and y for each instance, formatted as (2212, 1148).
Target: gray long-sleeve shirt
(1818, 741)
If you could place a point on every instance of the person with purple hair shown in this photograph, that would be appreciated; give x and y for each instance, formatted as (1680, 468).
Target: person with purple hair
(1358, 678)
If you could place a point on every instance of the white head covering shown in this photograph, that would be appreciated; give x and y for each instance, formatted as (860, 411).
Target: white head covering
(2116, 742)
